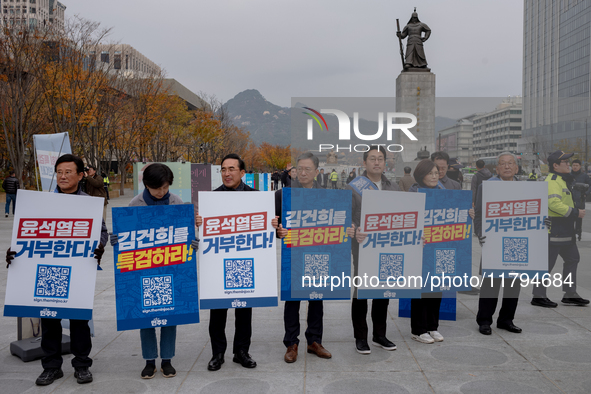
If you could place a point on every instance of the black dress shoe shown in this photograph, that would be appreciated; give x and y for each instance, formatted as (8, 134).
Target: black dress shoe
(510, 327)
(48, 376)
(574, 299)
(543, 302)
(244, 359)
(485, 329)
(216, 362)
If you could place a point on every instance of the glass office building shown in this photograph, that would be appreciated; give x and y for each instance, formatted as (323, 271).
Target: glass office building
(556, 83)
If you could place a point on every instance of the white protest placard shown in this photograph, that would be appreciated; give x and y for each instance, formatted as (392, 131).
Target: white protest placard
(513, 216)
(54, 271)
(237, 254)
(391, 256)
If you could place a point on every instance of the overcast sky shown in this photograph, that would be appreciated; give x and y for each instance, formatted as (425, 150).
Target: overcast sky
(326, 48)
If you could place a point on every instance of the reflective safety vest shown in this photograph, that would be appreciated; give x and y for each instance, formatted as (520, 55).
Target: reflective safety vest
(561, 210)
(334, 176)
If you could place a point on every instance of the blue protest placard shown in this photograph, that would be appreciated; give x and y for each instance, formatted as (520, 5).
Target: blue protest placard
(155, 266)
(317, 245)
(447, 255)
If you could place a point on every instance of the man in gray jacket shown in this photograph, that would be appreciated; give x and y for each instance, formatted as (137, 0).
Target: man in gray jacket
(372, 179)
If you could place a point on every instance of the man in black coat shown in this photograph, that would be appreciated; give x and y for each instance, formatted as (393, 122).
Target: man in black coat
(232, 172)
(10, 186)
(69, 171)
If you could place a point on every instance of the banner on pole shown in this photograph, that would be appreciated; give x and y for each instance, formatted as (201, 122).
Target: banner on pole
(53, 274)
(200, 181)
(181, 185)
(49, 147)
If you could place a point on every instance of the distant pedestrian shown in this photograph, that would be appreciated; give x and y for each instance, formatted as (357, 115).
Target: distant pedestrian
(407, 180)
(351, 177)
(106, 183)
(483, 174)
(10, 186)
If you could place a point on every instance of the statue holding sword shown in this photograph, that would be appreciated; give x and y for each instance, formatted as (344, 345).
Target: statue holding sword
(415, 54)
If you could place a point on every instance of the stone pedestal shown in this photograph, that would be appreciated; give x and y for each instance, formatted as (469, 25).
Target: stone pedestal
(415, 94)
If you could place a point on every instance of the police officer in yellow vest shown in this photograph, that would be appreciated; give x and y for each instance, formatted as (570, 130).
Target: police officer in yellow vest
(563, 214)
(533, 176)
(334, 177)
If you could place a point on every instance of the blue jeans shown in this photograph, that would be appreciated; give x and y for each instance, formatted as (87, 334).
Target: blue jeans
(10, 197)
(150, 344)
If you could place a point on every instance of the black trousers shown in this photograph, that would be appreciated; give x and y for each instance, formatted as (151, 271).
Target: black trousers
(217, 330)
(571, 257)
(51, 343)
(489, 297)
(291, 321)
(379, 315)
(424, 313)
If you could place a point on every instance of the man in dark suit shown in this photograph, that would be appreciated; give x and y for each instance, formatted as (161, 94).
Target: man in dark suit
(322, 179)
(489, 291)
(232, 172)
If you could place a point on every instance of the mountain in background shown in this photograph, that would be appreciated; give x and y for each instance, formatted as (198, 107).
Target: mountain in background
(271, 123)
(265, 121)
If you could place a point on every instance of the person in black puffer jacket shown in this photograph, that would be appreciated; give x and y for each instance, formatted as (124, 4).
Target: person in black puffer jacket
(10, 186)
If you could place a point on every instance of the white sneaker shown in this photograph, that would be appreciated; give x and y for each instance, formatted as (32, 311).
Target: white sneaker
(423, 338)
(437, 337)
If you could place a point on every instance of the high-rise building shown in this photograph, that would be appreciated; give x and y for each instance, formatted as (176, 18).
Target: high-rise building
(556, 83)
(498, 131)
(31, 13)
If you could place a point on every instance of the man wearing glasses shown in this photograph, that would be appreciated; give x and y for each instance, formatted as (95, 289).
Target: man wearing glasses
(233, 170)
(374, 161)
(561, 241)
(441, 160)
(69, 171)
(307, 169)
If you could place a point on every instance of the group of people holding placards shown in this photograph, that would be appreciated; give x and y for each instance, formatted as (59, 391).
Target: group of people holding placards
(412, 246)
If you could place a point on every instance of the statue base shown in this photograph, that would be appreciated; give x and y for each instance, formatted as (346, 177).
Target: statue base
(417, 69)
(415, 94)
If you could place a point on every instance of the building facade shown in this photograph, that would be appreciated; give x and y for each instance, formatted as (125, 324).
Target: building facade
(498, 131)
(32, 13)
(457, 141)
(556, 61)
(125, 59)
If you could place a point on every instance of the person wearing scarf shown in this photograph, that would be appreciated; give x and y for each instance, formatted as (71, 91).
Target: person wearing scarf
(157, 179)
(424, 311)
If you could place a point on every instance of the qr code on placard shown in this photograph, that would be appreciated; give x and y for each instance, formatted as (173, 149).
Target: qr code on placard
(52, 281)
(445, 261)
(316, 265)
(157, 291)
(515, 250)
(391, 265)
(239, 273)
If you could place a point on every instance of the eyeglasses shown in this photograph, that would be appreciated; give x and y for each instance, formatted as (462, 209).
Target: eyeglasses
(231, 169)
(67, 173)
(307, 170)
(375, 159)
(433, 173)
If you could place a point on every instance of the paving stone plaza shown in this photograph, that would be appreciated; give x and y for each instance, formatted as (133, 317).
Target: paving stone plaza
(552, 355)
